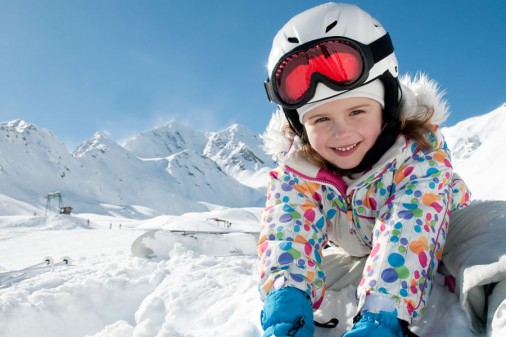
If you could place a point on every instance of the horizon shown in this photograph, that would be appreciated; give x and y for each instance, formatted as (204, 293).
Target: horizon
(124, 67)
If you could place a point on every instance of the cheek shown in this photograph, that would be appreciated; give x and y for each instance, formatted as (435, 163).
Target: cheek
(372, 132)
(316, 140)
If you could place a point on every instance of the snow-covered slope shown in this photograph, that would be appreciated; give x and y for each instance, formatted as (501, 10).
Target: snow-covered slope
(477, 146)
(106, 292)
(33, 162)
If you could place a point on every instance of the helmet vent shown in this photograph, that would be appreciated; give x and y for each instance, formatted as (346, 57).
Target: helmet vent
(293, 40)
(329, 27)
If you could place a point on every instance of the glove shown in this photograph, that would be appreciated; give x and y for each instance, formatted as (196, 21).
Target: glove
(384, 324)
(287, 312)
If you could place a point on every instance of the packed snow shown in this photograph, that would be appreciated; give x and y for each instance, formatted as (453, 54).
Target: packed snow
(187, 290)
(194, 285)
(477, 144)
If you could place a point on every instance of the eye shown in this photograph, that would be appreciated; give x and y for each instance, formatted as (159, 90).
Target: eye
(321, 119)
(356, 112)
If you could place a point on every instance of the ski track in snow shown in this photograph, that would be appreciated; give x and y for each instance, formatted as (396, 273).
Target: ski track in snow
(106, 291)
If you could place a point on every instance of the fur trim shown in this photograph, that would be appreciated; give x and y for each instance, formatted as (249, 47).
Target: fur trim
(275, 137)
(418, 93)
(421, 92)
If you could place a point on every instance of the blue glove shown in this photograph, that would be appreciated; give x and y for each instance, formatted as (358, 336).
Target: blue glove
(287, 312)
(384, 324)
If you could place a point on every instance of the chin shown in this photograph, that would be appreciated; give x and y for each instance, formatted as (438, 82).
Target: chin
(345, 167)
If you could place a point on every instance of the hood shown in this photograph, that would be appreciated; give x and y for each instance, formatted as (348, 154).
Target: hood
(418, 93)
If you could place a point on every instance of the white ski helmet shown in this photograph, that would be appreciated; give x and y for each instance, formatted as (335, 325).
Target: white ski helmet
(351, 31)
(337, 48)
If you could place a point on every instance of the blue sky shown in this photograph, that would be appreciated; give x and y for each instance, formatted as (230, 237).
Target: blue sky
(123, 66)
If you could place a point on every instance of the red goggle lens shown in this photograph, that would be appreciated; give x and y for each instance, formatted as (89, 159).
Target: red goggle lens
(337, 60)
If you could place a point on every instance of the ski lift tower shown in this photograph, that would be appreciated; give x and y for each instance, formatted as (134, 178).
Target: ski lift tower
(54, 195)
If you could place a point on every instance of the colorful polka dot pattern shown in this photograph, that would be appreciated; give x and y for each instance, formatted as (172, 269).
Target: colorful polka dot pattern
(400, 211)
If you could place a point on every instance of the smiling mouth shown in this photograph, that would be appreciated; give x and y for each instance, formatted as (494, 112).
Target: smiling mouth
(346, 148)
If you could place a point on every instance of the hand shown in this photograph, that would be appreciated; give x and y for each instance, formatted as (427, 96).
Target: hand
(384, 324)
(287, 313)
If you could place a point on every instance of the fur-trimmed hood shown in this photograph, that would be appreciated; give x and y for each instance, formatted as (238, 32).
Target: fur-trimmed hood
(417, 94)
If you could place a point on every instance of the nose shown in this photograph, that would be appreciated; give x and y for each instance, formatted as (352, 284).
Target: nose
(340, 128)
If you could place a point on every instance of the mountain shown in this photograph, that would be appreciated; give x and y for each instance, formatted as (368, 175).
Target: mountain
(172, 169)
(166, 140)
(33, 162)
(232, 153)
(240, 154)
(477, 146)
(236, 150)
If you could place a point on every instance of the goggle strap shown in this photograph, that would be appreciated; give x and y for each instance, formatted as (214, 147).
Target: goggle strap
(381, 48)
(293, 119)
(268, 90)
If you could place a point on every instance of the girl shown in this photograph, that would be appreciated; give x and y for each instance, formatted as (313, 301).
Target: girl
(363, 166)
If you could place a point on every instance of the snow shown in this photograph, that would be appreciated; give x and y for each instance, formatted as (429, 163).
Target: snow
(477, 144)
(108, 292)
(189, 290)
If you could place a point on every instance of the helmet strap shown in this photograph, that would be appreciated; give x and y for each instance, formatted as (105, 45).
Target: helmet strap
(293, 120)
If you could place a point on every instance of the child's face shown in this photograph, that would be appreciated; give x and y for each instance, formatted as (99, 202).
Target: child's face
(343, 130)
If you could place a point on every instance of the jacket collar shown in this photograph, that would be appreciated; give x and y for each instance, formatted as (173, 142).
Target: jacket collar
(296, 162)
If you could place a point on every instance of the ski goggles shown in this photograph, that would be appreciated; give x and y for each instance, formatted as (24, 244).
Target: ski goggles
(338, 62)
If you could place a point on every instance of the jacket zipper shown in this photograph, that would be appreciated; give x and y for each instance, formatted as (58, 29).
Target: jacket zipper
(347, 199)
(352, 226)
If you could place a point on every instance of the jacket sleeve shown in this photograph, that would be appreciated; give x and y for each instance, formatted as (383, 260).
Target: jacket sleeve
(292, 237)
(409, 233)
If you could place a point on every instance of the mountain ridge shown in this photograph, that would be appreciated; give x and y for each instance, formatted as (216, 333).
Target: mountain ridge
(172, 177)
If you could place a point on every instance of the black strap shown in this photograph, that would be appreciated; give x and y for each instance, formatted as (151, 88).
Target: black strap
(405, 330)
(299, 324)
(327, 325)
(381, 48)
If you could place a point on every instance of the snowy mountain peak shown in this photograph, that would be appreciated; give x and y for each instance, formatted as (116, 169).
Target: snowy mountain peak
(238, 133)
(166, 140)
(21, 127)
(237, 149)
(100, 135)
(18, 125)
(27, 137)
(100, 141)
(236, 129)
